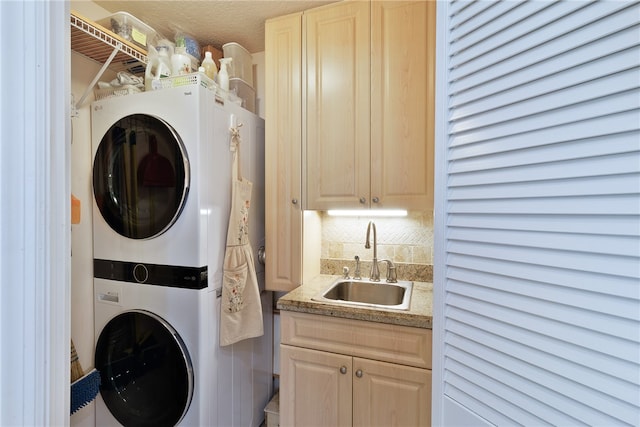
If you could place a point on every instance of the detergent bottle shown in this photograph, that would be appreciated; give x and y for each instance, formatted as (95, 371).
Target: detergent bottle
(223, 75)
(180, 62)
(209, 66)
(158, 66)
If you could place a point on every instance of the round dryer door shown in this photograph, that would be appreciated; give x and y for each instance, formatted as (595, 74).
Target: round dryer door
(145, 369)
(140, 176)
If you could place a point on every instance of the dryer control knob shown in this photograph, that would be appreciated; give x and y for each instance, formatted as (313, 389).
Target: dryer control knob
(140, 273)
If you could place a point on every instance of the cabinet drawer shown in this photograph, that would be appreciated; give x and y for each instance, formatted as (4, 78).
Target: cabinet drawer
(379, 341)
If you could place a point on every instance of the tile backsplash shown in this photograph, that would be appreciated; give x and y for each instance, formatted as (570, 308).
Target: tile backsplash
(407, 241)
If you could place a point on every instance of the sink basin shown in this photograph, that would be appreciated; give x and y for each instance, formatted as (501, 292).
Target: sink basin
(396, 296)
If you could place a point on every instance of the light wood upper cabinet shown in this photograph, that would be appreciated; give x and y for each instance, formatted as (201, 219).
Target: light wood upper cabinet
(338, 104)
(370, 92)
(283, 145)
(402, 103)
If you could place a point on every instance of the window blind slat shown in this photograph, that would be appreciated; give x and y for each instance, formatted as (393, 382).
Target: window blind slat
(613, 46)
(628, 246)
(501, 15)
(561, 115)
(528, 394)
(604, 77)
(594, 224)
(586, 281)
(472, 13)
(627, 181)
(583, 403)
(458, 6)
(468, 159)
(469, 144)
(595, 205)
(464, 392)
(514, 58)
(598, 321)
(511, 107)
(524, 356)
(625, 266)
(516, 24)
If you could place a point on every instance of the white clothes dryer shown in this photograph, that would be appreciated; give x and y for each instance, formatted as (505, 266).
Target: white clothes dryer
(156, 354)
(161, 168)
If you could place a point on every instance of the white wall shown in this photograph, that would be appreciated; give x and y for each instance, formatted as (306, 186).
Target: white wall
(83, 71)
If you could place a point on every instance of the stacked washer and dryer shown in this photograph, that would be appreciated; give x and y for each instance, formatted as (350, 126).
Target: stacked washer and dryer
(162, 193)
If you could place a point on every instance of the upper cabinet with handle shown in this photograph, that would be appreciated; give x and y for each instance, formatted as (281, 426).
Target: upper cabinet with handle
(283, 139)
(369, 105)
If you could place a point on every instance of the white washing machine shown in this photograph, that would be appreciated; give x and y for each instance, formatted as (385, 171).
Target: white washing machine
(161, 177)
(161, 168)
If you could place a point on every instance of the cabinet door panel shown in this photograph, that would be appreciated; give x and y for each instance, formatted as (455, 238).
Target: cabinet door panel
(283, 180)
(402, 109)
(338, 105)
(313, 390)
(390, 395)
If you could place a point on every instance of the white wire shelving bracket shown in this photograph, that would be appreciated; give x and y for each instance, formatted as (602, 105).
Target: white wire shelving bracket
(103, 46)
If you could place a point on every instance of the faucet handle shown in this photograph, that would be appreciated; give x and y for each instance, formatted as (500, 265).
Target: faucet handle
(345, 272)
(392, 276)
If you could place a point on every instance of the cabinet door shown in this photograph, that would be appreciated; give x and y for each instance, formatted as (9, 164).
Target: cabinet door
(402, 103)
(338, 106)
(315, 388)
(283, 145)
(386, 394)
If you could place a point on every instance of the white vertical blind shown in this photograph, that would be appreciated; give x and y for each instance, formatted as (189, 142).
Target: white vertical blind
(539, 257)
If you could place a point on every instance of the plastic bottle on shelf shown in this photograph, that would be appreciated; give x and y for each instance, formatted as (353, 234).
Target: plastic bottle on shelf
(209, 65)
(180, 62)
(223, 75)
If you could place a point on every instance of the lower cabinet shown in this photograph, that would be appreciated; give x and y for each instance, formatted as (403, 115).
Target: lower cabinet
(332, 385)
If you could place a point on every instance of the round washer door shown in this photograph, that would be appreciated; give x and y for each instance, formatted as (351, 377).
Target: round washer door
(140, 176)
(145, 368)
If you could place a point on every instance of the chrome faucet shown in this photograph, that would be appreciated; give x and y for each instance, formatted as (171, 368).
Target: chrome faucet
(374, 276)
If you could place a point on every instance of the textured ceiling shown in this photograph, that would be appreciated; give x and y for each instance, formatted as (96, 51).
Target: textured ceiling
(213, 22)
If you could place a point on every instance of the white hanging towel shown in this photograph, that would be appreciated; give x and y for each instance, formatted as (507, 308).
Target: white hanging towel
(241, 314)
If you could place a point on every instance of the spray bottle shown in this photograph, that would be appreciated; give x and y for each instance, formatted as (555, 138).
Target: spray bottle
(223, 75)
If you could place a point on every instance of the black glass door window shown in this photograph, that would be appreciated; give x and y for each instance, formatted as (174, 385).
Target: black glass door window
(146, 371)
(140, 176)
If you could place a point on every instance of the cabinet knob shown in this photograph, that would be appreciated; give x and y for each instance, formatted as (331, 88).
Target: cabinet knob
(375, 200)
(359, 373)
(343, 369)
(294, 201)
(363, 200)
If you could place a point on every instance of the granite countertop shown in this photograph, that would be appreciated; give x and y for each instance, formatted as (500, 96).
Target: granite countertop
(419, 315)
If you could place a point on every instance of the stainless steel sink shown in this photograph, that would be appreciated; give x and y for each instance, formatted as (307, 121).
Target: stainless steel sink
(396, 296)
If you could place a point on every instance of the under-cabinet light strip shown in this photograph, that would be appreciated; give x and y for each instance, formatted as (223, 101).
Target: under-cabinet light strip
(368, 212)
